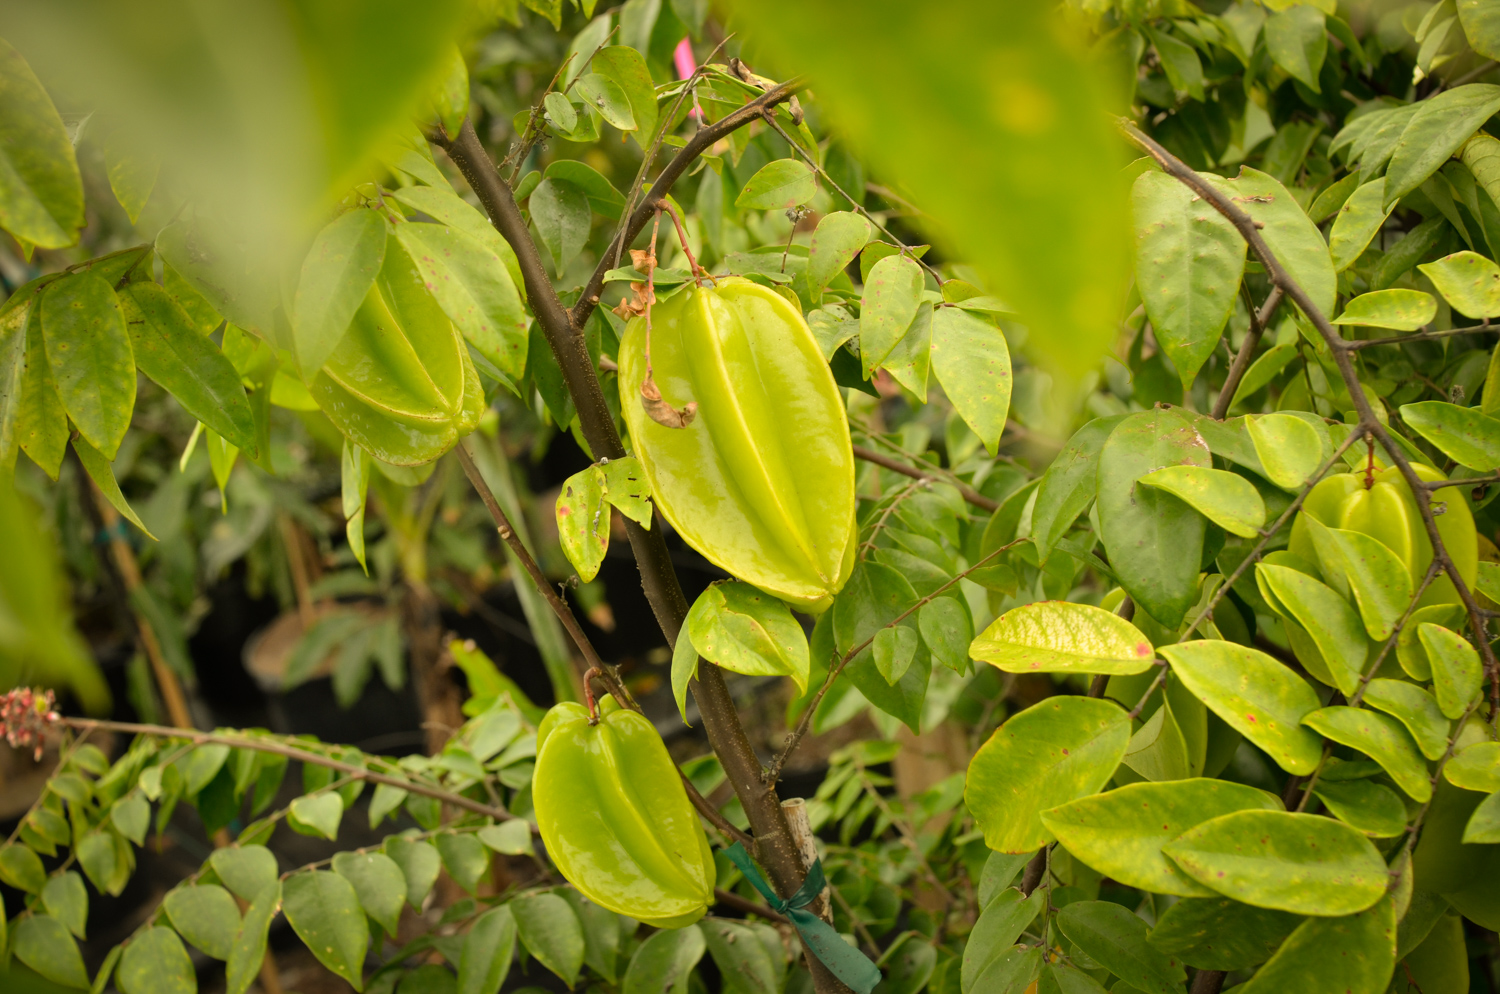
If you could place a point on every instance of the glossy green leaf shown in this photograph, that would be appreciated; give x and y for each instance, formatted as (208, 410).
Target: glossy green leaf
(1456, 672)
(1115, 938)
(1000, 924)
(323, 909)
(1054, 752)
(43, 943)
(174, 353)
(1356, 224)
(65, 898)
(550, 931)
(1290, 233)
(206, 916)
(779, 184)
(1399, 310)
(1370, 807)
(1464, 434)
(1304, 864)
(1267, 366)
(89, 355)
(1329, 619)
(1382, 738)
(378, 881)
(607, 97)
(1227, 499)
(583, 518)
(1475, 768)
(560, 112)
(891, 296)
(318, 814)
(1154, 539)
(446, 207)
(512, 838)
(1332, 198)
(1069, 485)
(1059, 637)
(419, 861)
(245, 870)
(41, 191)
(625, 66)
(562, 216)
(1287, 446)
(838, 239)
(893, 651)
(875, 596)
(1415, 708)
(1121, 833)
(1298, 42)
(1468, 281)
(1484, 823)
(1159, 749)
(1354, 954)
(1012, 971)
(1179, 60)
(338, 271)
(249, 950)
(1188, 260)
(1409, 651)
(743, 630)
(1378, 579)
(1440, 125)
(1220, 934)
(1255, 695)
(488, 947)
(473, 287)
(972, 362)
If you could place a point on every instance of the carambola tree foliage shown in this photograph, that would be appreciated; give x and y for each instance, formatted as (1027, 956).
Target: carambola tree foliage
(1153, 497)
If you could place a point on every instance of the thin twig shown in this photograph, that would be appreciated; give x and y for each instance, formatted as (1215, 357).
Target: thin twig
(968, 493)
(1354, 345)
(1258, 321)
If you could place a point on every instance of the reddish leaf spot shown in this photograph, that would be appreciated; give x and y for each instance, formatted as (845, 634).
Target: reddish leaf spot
(1142, 649)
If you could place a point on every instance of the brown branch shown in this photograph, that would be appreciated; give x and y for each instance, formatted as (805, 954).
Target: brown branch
(1258, 321)
(968, 493)
(671, 172)
(1341, 351)
(732, 900)
(1419, 336)
(774, 845)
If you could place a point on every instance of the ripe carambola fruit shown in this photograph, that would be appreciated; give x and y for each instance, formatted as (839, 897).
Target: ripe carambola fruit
(615, 817)
(1387, 511)
(762, 481)
(400, 384)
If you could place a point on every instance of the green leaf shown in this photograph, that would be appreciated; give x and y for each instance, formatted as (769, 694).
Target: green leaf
(513, 838)
(608, 98)
(1415, 708)
(1468, 281)
(323, 909)
(100, 859)
(1220, 934)
(1154, 540)
(562, 217)
(550, 931)
(317, 814)
(1379, 580)
(465, 858)
(1440, 962)
(947, 630)
(1456, 672)
(206, 916)
(1227, 499)
(1288, 448)
(1484, 823)
(354, 484)
(1059, 637)
(1475, 768)
(487, 950)
(41, 191)
(249, 950)
(1069, 485)
(1356, 224)
(891, 296)
(744, 630)
(1000, 924)
(170, 350)
(1353, 954)
(89, 354)
(744, 961)
(1409, 651)
(873, 597)
(1189, 261)
(1255, 695)
(662, 964)
(1399, 310)
(838, 239)
(603, 197)
(65, 898)
(103, 475)
(1014, 971)
(1289, 232)
(1297, 41)
(336, 275)
(779, 184)
(1332, 198)
(245, 870)
(419, 861)
(560, 112)
(972, 362)
(1054, 752)
(1375, 810)
(1441, 124)
(22, 869)
(446, 207)
(1179, 60)
(473, 287)
(1328, 618)
(625, 66)
(44, 944)
(1120, 833)
(155, 962)
(1263, 370)
(583, 521)
(1115, 938)
(1382, 738)
(601, 934)
(1463, 434)
(378, 881)
(1305, 864)
(894, 649)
